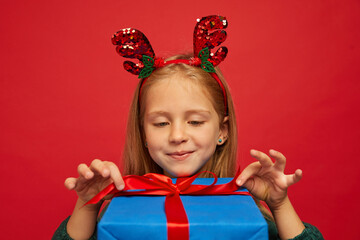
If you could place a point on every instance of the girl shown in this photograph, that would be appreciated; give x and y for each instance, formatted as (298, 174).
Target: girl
(182, 121)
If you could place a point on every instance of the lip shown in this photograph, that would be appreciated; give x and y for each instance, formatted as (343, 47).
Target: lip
(180, 156)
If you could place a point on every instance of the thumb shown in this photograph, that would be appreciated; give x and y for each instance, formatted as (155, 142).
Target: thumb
(294, 178)
(247, 173)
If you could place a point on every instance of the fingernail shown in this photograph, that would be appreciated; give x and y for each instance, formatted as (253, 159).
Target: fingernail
(121, 187)
(88, 175)
(238, 182)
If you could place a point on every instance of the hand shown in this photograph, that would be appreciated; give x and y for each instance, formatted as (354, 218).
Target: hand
(266, 180)
(92, 179)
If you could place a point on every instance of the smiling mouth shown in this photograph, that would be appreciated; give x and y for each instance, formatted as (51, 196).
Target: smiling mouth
(180, 155)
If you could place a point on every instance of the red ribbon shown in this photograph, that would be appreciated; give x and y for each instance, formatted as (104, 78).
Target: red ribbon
(157, 184)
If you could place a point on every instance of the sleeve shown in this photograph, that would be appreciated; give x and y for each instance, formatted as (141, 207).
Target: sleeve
(62, 234)
(310, 232)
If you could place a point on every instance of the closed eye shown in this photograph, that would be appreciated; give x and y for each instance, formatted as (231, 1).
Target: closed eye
(161, 124)
(196, 123)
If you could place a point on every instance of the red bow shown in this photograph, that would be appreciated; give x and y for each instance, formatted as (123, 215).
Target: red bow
(157, 184)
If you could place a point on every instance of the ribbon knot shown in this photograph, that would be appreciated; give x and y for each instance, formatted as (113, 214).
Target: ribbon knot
(157, 184)
(177, 190)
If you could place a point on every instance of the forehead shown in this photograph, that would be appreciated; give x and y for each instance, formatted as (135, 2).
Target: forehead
(177, 93)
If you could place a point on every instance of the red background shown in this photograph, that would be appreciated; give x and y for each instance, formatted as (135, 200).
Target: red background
(293, 68)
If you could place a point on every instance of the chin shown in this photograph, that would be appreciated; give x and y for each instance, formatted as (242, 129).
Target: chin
(184, 175)
(177, 174)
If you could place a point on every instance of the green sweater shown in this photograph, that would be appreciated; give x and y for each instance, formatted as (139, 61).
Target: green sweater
(310, 232)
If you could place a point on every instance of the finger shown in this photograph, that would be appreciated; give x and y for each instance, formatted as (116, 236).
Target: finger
(84, 171)
(70, 183)
(294, 178)
(249, 171)
(264, 159)
(280, 160)
(249, 184)
(115, 175)
(100, 167)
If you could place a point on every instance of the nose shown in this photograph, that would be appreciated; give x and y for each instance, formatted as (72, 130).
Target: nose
(178, 133)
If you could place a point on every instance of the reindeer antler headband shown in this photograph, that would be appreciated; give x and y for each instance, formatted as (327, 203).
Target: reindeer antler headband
(132, 43)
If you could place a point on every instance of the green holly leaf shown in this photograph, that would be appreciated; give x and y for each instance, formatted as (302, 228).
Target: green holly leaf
(207, 66)
(148, 61)
(204, 54)
(146, 71)
(148, 66)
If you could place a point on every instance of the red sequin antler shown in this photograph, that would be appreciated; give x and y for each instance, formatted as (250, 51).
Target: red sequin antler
(204, 39)
(132, 43)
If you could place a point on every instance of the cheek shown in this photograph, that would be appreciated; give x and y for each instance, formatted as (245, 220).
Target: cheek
(147, 133)
(153, 139)
(209, 135)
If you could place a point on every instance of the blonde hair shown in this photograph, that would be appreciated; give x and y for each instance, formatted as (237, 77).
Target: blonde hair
(136, 158)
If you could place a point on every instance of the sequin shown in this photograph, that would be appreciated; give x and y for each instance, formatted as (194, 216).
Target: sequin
(132, 43)
(202, 37)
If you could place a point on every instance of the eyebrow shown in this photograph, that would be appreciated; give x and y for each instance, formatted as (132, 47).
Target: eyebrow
(189, 112)
(197, 111)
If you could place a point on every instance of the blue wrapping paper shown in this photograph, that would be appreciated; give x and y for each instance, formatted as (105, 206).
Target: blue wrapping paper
(210, 217)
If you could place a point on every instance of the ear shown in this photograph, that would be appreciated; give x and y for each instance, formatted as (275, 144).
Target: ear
(224, 130)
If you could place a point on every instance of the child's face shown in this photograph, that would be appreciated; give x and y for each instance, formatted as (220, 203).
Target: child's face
(181, 126)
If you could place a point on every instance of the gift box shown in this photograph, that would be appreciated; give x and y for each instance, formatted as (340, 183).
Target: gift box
(209, 217)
